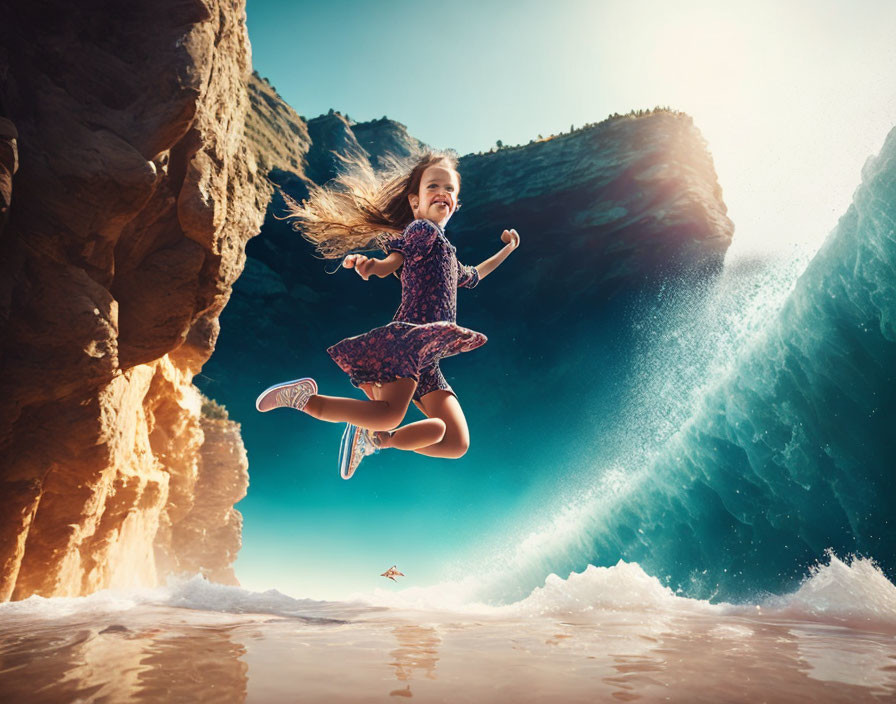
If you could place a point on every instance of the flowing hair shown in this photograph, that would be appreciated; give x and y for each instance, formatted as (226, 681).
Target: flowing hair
(359, 209)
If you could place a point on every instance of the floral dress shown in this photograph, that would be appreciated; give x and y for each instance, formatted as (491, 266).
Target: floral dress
(424, 328)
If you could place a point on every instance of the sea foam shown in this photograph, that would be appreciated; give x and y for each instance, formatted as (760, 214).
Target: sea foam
(838, 591)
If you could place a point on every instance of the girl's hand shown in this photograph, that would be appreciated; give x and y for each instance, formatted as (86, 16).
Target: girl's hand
(363, 265)
(512, 238)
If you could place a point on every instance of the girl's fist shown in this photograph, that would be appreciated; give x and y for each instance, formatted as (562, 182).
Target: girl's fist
(363, 265)
(511, 237)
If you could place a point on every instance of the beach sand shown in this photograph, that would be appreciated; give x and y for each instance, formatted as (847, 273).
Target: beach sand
(92, 650)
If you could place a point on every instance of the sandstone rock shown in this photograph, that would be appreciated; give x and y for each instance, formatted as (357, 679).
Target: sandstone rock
(134, 198)
(208, 538)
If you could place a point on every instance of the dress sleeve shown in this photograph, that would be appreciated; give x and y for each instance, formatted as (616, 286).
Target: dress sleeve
(416, 241)
(467, 276)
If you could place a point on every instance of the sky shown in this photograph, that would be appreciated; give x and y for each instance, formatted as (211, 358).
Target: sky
(791, 97)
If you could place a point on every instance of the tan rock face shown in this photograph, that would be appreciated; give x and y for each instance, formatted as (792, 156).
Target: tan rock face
(133, 200)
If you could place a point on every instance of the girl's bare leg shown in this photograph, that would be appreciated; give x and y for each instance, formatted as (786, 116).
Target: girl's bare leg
(444, 407)
(383, 413)
(413, 436)
(410, 436)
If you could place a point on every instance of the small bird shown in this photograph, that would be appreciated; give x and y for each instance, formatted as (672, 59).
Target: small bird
(392, 573)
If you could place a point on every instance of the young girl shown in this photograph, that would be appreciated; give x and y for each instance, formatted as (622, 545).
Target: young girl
(399, 362)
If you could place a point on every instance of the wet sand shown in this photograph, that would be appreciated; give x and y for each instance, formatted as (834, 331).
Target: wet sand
(362, 654)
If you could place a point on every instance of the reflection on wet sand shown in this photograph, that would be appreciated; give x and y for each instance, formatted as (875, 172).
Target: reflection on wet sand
(182, 655)
(836, 655)
(634, 673)
(418, 648)
(203, 665)
(113, 662)
(747, 660)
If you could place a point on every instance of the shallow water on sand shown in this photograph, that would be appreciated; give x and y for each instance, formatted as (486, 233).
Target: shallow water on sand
(351, 652)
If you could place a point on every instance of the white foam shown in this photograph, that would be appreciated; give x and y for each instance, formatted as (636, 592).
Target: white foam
(60, 606)
(856, 590)
(199, 593)
(625, 586)
(458, 596)
(195, 593)
(838, 590)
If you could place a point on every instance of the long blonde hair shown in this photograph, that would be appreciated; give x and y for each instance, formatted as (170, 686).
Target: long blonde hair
(360, 208)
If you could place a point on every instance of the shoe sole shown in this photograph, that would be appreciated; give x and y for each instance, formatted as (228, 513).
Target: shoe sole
(347, 449)
(280, 386)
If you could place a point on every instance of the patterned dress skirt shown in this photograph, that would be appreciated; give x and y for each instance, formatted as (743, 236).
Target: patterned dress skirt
(402, 350)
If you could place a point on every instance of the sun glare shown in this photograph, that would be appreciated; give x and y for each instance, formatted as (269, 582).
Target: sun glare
(776, 101)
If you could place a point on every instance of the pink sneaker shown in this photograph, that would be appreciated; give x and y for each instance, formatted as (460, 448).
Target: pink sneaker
(289, 394)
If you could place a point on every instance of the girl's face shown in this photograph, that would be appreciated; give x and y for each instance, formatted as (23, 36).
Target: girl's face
(437, 198)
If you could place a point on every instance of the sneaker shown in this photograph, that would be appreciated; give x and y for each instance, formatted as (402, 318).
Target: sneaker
(356, 444)
(289, 394)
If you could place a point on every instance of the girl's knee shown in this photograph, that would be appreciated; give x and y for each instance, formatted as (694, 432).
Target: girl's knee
(455, 449)
(460, 447)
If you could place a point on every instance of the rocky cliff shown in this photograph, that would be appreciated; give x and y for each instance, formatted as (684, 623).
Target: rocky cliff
(133, 193)
(606, 208)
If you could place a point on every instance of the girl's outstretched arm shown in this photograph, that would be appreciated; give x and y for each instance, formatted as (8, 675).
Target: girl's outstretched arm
(512, 238)
(370, 266)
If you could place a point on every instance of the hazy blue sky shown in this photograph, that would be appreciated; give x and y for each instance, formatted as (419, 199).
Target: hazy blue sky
(791, 96)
